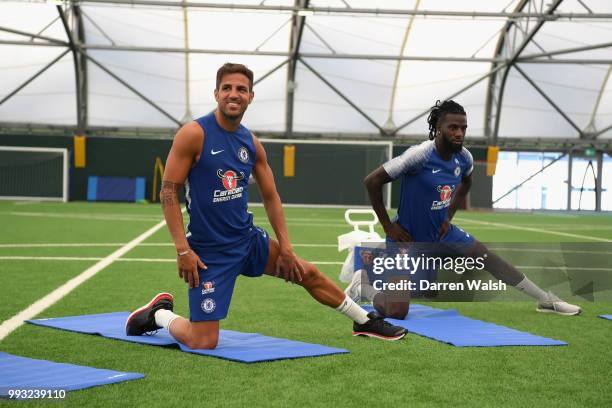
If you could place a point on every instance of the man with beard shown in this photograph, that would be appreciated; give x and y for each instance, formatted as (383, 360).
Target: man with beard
(214, 156)
(436, 177)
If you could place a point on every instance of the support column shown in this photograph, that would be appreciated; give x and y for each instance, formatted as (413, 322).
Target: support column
(297, 29)
(570, 156)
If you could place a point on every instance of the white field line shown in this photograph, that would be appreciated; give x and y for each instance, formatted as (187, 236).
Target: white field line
(169, 244)
(114, 244)
(80, 258)
(548, 250)
(119, 217)
(40, 305)
(300, 222)
(538, 230)
(84, 216)
(172, 260)
(576, 228)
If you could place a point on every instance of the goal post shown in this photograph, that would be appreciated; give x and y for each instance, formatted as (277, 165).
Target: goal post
(33, 173)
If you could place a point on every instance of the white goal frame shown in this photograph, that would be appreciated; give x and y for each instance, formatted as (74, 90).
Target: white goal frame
(389, 145)
(64, 153)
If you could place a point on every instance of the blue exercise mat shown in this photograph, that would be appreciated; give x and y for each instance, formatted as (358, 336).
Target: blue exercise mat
(608, 317)
(448, 326)
(21, 373)
(233, 345)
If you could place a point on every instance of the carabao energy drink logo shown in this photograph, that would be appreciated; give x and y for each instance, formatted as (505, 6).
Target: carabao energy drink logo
(446, 192)
(229, 178)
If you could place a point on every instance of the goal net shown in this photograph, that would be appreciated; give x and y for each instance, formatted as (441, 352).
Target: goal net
(33, 173)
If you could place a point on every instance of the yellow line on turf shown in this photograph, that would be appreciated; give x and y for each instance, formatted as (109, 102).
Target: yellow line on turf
(538, 230)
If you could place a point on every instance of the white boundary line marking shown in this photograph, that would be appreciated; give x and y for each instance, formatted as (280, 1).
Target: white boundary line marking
(172, 260)
(116, 244)
(8, 326)
(84, 216)
(78, 258)
(538, 230)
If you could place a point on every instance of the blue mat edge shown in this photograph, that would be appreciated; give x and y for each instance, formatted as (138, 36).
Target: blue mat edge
(129, 376)
(183, 348)
(556, 342)
(606, 316)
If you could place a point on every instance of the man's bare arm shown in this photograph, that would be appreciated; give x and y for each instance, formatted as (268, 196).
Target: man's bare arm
(287, 264)
(183, 154)
(168, 197)
(271, 200)
(460, 194)
(374, 183)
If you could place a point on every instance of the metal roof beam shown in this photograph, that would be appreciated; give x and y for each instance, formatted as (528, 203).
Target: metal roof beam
(516, 53)
(528, 59)
(32, 36)
(341, 95)
(354, 11)
(565, 51)
(465, 88)
(295, 41)
(79, 70)
(131, 88)
(33, 77)
(549, 100)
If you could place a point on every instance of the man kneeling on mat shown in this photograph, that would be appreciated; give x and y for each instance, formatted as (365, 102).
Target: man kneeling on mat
(436, 177)
(214, 156)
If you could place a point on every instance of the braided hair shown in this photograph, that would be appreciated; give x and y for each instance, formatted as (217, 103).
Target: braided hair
(438, 111)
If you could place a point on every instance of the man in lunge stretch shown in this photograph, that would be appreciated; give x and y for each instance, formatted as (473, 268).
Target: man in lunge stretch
(436, 177)
(213, 157)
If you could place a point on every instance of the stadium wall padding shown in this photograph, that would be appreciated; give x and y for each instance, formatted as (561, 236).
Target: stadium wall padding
(324, 173)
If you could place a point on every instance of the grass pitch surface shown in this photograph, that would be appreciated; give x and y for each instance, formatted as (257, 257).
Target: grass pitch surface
(55, 242)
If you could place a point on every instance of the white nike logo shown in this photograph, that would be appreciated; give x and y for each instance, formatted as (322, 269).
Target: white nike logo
(434, 171)
(213, 152)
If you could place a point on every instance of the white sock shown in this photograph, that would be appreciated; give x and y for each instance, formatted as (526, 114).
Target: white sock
(164, 318)
(353, 311)
(532, 289)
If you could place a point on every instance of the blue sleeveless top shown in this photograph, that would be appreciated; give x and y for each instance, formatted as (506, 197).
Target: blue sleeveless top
(217, 187)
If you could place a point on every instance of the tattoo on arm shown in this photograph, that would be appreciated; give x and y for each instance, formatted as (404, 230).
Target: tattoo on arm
(168, 194)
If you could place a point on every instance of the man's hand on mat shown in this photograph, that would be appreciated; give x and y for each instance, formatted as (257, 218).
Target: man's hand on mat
(289, 266)
(188, 265)
(397, 233)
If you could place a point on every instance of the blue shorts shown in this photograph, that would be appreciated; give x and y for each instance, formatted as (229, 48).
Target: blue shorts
(211, 299)
(456, 242)
(456, 235)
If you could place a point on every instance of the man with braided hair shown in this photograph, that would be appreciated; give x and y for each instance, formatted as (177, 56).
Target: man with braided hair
(436, 177)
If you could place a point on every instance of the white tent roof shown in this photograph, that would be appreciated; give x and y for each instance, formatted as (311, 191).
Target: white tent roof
(358, 70)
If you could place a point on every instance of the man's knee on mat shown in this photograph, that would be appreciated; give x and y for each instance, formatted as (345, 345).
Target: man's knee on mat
(386, 307)
(207, 342)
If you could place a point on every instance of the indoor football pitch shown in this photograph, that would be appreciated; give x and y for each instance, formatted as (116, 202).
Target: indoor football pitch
(44, 245)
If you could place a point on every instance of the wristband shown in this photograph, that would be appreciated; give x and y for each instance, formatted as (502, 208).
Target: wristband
(182, 253)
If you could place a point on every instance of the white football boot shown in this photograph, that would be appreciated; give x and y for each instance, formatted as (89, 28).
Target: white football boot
(555, 305)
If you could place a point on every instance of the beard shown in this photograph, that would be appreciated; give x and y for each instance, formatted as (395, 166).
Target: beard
(453, 147)
(456, 148)
(232, 116)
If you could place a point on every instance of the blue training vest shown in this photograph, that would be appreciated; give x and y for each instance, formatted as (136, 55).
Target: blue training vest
(217, 186)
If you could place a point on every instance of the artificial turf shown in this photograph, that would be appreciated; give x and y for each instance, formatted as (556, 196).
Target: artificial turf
(414, 372)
